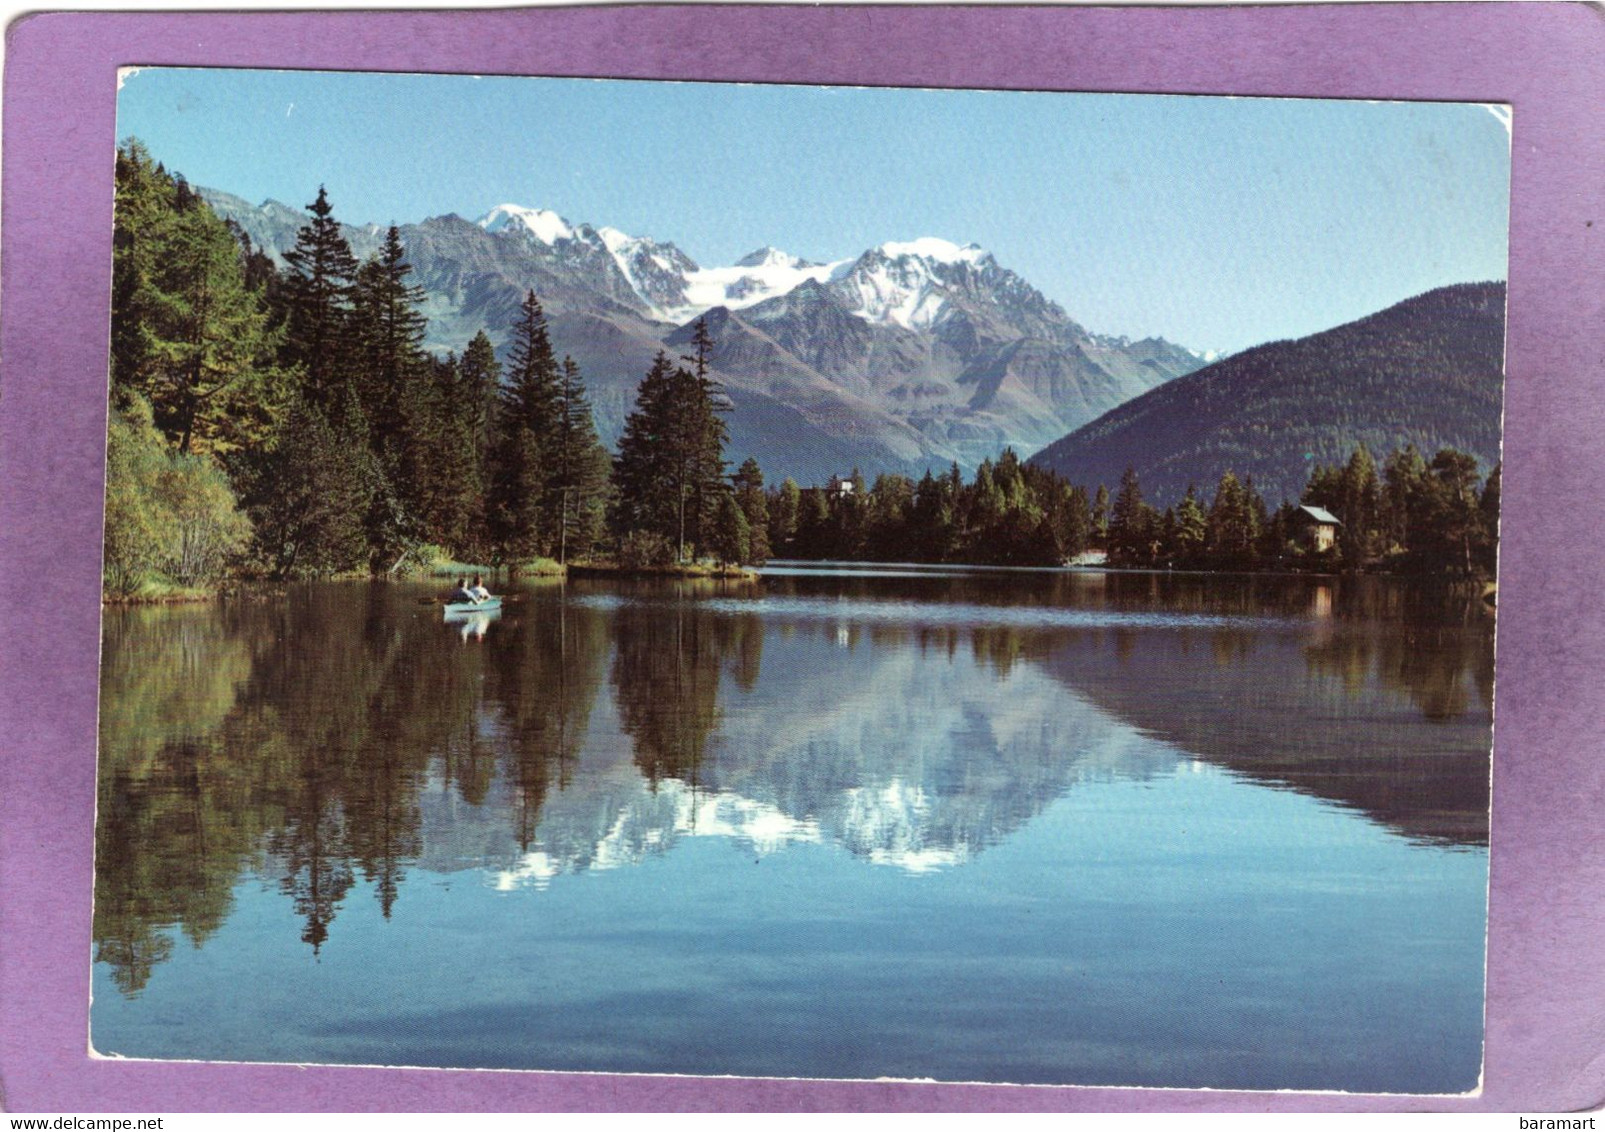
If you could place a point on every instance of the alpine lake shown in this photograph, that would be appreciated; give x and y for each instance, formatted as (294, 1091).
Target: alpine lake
(845, 821)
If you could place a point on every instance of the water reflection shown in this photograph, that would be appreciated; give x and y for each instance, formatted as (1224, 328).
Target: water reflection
(346, 733)
(473, 625)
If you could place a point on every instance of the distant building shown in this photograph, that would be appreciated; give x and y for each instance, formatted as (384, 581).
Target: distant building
(1316, 528)
(839, 488)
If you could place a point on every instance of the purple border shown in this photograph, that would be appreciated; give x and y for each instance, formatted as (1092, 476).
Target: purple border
(1546, 984)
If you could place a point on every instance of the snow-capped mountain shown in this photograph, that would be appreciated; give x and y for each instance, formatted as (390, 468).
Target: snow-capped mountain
(909, 355)
(536, 223)
(908, 284)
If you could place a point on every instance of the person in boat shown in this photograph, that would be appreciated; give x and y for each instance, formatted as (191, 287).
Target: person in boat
(478, 589)
(462, 593)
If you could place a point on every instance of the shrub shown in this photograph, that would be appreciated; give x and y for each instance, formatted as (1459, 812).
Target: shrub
(165, 511)
(641, 550)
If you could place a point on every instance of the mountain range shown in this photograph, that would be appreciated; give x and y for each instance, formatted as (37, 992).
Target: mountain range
(910, 355)
(1428, 371)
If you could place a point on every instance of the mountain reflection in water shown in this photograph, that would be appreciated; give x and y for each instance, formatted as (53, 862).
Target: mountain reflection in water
(345, 734)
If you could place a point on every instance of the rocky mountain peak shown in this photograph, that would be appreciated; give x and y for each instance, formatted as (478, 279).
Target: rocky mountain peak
(899, 358)
(767, 256)
(542, 224)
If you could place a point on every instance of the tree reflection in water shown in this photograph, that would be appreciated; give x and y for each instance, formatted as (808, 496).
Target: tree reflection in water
(303, 738)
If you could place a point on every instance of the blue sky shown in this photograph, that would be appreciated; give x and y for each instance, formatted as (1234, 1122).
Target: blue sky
(1215, 222)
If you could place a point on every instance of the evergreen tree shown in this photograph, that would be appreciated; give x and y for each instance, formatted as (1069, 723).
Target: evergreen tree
(388, 329)
(641, 501)
(1131, 524)
(1453, 514)
(1234, 526)
(448, 490)
(521, 519)
(1359, 507)
(731, 542)
(188, 334)
(1100, 514)
(1324, 489)
(891, 501)
(706, 430)
(749, 494)
(701, 349)
(1488, 508)
(478, 391)
(783, 514)
(816, 535)
(143, 203)
(848, 512)
(1404, 486)
(983, 508)
(935, 533)
(670, 468)
(1278, 534)
(310, 494)
(317, 292)
(479, 385)
(1075, 535)
(417, 442)
(578, 468)
(1191, 530)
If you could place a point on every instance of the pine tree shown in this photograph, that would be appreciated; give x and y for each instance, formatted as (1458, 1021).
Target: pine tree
(1131, 523)
(309, 495)
(317, 292)
(480, 377)
(816, 536)
(1076, 533)
(731, 543)
(388, 329)
(935, 534)
(1360, 509)
(478, 391)
(1234, 525)
(414, 436)
(449, 491)
(1454, 519)
(669, 474)
(749, 493)
(641, 501)
(188, 334)
(784, 510)
(705, 407)
(521, 521)
(1404, 485)
(1488, 507)
(144, 200)
(891, 501)
(578, 468)
(1192, 530)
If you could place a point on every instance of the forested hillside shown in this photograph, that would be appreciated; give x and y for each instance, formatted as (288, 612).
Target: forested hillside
(1426, 372)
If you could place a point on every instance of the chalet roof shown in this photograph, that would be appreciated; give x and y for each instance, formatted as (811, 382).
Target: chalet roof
(1321, 515)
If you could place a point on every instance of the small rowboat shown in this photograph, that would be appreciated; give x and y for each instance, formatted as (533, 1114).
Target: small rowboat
(465, 608)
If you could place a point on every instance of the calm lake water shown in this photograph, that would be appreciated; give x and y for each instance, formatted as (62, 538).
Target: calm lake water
(1046, 827)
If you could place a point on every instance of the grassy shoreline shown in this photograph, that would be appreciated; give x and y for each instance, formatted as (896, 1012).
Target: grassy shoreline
(687, 570)
(161, 592)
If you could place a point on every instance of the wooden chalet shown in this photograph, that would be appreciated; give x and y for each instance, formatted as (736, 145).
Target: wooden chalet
(1316, 528)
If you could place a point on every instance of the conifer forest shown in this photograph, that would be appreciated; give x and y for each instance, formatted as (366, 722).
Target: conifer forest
(279, 423)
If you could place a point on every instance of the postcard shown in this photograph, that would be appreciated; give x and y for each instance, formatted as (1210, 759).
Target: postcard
(875, 585)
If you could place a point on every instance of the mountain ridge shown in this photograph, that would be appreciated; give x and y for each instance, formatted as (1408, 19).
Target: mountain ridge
(906, 357)
(1428, 370)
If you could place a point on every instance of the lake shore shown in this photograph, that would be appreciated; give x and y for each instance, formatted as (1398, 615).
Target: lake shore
(690, 570)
